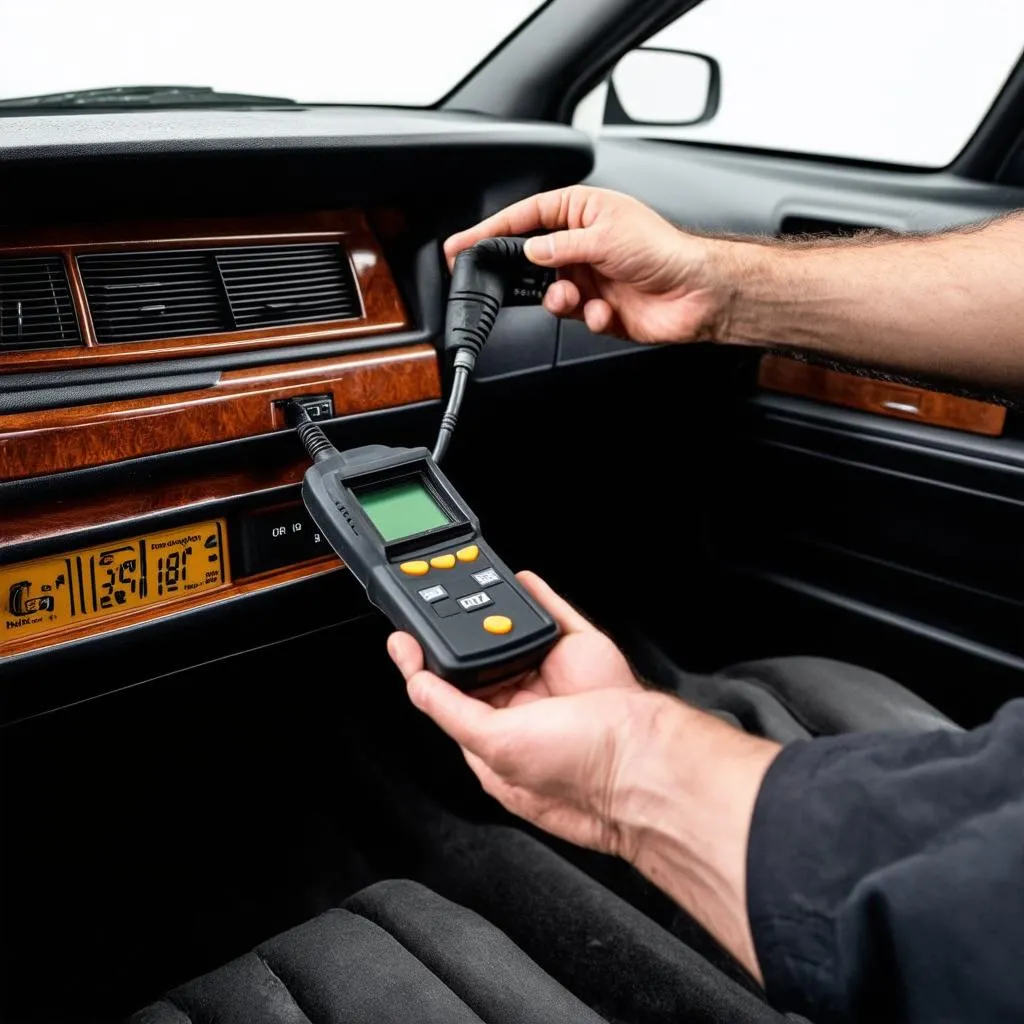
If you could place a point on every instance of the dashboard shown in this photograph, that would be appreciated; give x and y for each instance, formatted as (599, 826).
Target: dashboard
(101, 301)
(167, 282)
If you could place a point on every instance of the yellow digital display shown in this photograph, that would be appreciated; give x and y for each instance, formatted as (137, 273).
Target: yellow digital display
(66, 590)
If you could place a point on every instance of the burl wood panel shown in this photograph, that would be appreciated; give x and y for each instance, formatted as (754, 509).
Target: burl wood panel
(241, 405)
(383, 309)
(249, 585)
(878, 396)
(128, 506)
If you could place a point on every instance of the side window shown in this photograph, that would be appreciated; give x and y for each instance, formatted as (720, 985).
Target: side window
(893, 81)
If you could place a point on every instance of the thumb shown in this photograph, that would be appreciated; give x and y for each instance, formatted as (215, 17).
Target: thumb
(561, 248)
(467, 720)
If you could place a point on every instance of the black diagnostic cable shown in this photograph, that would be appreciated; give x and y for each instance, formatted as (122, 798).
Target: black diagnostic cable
(481, 279)
(317, 444)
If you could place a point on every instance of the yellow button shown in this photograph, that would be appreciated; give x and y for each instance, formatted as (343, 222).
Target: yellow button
(443, 562)
(470, 554)
(500, 624)
(415, 568)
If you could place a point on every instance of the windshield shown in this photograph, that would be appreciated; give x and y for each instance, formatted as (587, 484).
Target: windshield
(396, 52)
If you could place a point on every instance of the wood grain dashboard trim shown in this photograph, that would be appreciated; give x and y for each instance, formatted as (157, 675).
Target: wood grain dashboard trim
(901, 401)
(129, 506)
(241, 405)
(383, 309)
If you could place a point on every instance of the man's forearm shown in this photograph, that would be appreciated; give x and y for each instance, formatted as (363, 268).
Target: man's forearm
(686, 808)
(949, 304)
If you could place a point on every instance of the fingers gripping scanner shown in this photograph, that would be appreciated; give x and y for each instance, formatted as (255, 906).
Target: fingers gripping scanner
(405, 532)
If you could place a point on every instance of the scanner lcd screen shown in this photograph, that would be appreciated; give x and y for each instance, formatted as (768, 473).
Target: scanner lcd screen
(402, 509)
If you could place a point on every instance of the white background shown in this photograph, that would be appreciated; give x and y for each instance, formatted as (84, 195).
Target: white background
(903, 81)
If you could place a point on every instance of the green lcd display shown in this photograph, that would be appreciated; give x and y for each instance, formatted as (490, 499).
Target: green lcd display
(402, 510)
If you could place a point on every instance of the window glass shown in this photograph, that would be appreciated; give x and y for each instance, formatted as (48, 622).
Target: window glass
(896, 81)
(313, 51)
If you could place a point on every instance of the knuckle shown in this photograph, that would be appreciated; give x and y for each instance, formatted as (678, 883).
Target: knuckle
(422, 693)
(501, 752)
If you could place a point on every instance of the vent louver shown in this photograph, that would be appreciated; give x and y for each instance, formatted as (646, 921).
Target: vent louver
(36, 310)
(135, 296)
(176, 293)
(274, 285)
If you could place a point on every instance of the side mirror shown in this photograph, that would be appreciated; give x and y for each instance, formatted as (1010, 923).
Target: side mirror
(663, 87)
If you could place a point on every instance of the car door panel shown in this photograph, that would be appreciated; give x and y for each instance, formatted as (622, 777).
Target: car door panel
(913, 526)
(894, 544)
(716, 189)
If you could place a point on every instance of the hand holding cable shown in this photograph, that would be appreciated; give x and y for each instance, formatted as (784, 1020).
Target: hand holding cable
(481, 278)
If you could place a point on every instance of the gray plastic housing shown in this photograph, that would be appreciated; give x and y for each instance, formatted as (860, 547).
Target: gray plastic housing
(455, 644)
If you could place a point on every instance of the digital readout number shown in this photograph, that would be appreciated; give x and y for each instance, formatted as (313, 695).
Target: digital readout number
(50, 593)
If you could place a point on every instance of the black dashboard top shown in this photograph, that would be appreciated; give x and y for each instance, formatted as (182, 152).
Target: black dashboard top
(132, 133)
(127, 163)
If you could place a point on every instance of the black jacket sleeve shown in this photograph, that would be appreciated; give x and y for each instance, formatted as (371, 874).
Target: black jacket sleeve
(885, 876)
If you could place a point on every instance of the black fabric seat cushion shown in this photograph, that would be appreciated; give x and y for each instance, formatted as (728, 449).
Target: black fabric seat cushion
(798, 698)
(393, 952)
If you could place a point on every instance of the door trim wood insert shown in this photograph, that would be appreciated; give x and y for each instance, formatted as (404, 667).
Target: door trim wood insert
(884, 398)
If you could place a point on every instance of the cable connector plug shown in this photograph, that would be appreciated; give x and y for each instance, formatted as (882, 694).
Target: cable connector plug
(480, 278)
(317, 444)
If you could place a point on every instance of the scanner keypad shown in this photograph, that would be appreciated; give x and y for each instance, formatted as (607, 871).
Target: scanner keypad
(453, 599)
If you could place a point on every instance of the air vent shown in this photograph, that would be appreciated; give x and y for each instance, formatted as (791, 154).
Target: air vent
(134, 296)
(176, 293)
(36, 310)
(272, 285)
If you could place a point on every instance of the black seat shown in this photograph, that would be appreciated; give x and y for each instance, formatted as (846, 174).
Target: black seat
(797, 698)
(825, 697)
(543, 942)
(393, 952)
(399, 952)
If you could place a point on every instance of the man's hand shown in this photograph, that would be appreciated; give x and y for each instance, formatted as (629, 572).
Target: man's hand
(622, 268)
(947, 304)
(551, 746)
(581, 749)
